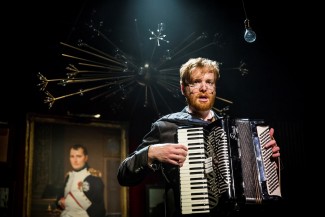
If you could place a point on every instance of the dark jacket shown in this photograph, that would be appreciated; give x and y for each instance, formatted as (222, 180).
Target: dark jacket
(134, 168)
(95, 194)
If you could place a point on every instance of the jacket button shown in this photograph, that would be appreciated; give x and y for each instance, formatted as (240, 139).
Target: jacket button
(139, 169)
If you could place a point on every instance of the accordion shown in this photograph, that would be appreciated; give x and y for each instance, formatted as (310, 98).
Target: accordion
(227, 161)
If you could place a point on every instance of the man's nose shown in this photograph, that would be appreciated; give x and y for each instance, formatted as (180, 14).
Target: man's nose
(203, 86)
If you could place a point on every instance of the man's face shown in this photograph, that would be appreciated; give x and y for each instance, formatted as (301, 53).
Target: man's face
(201, 92)
(77, 158)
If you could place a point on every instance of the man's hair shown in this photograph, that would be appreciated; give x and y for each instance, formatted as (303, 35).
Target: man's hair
(199, 62)
(79, 146)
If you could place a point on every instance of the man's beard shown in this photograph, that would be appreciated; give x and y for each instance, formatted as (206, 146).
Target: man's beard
(201, 106)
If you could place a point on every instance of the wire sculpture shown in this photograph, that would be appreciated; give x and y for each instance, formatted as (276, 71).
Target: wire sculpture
(128, 80)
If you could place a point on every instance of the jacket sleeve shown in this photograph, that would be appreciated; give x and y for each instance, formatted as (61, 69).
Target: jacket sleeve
(96, 189)
(95, 193)
(135, 167)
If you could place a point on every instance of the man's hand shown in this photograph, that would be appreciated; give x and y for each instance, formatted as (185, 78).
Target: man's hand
(272, 144)
(167, 153)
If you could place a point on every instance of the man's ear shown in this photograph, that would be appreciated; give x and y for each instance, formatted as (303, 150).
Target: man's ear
(182, 89)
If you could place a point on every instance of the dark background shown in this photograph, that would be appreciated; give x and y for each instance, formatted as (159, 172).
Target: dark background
(272, 89)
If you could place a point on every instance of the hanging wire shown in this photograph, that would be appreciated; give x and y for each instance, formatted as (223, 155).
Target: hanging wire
(242, 1)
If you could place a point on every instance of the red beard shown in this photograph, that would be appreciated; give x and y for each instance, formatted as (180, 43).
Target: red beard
(194, 101)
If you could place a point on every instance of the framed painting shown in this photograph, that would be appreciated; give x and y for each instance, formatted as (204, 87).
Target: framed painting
(48, 139)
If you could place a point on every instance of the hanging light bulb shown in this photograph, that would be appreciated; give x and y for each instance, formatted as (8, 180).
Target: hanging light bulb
(250, 35)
